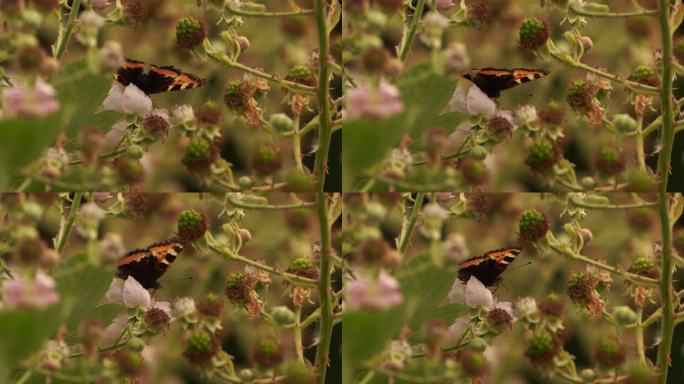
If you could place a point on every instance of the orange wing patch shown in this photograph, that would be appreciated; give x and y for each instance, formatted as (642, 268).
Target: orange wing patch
(133, 256)
(503, 256)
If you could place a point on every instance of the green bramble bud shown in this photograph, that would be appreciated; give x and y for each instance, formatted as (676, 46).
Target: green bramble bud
(542, 347)
(478, 152)
(282, 315)
(200, 348)
(129, 170)
(645, 75)
(135, 151)
(190, 33)
(624, 123)
(478, 344)
(610, 160)
(639, 373)
(130, 363)
(301, 74)
(199, 155)
(281, 122)
(624, 315)
(532, 225)
(609, 353)
(542, 155)
(299, 181)
(136, 344)
(588, 374)
(376, 20)
(533, 33)
(246, 374)
(297, 374)
(246, 182)
(641, 181)
(191, 225)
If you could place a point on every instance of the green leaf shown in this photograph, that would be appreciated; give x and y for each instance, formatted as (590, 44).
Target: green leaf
(365, 335)
(428, 284)
(82, 286)
(22, 333)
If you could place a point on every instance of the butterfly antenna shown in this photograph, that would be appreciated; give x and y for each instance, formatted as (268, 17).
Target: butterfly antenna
(517, 267)
(180, 278)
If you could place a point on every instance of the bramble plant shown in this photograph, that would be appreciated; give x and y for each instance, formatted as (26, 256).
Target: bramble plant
(582, 127)
(67, 315)
(262, 118)
(587, 309)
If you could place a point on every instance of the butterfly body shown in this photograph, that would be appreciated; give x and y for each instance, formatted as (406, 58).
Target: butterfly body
(156, 79)
(494, 80)
(149, 264)
(488, 267)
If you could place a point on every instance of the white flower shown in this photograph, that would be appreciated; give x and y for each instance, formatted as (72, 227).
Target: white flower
(182, 114)
(472, 101)
(130, 100)
(475, 294)
(526, 114)
(456, 330)
(526, 307)
(185, 307)
(435, 20)
(91, 19)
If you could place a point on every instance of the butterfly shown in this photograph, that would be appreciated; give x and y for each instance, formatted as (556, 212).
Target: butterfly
(488, 267)
(156, 79)
(149, 264)
(492, 80)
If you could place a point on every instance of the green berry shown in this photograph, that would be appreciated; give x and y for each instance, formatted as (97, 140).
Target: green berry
(301, 74)
(268, 353)
(542, 347)
(199, 155)
(533, 33)
(532, 225)
(624, 315)
(303, 267)
(542, 155)
(610, 161)
(281, 122)
(624, 123)
(191, 225)
(609, 353)
(645, 266)
(282, 315)
(190, 33)
(200, 347)
(266, 160)
(644, 74)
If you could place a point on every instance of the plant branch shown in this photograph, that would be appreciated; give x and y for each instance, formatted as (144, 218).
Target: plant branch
(407, 40)
(67, 224)
(584, 12)
(65, 31)
(407, 231)
(324, 287)
(242, 12)
(324, 132)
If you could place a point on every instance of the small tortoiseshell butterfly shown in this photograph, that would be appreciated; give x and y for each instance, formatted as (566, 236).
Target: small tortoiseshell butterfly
(149, 264)
(492, 80)
(488, 267)
(156, 79)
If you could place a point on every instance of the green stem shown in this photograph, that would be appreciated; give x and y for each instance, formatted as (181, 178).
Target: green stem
(410, 35)
(299, 349)
(324, 284)
(407, 231)
(68, 224)
(25, 377)
(640, 335)
(297, 145)
(324, 132)
(585, 12)
(241, 204)
(667, 324)
(242, 12)
(641, 159)
(575, 201)
(65, 34)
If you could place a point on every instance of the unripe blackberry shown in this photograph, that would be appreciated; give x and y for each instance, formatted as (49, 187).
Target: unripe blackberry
(130, 170)
(499, 320)
(238, 288)
(478, 344)
(302, 75)
(210, 113)
(479, 14)
(645, 75)
(610, 353)
(474, 171)
(237, 95)
(374, 59)
(156, 125)
(500, 127)
(130, 363)
(543, 154)
(211, 306)
(581, 95)
(268, 353)
(299, 181)
(135, 152)
(610, 160)
(624, 316)
(478, 152)
(580, 288)
(190, 33)
(282, 315)
(136, 11)
(200, 348)
(303, 267)
(532, 225)
(533, 33)
(645, 266)
(156, 320)
(298, 374)
(640, 181)
(552, 113)
(266, 160)
(542, 348)
(199, 155)
(474, 363)
(638, 373)
(191, 225)
(281, 122)
(552, 305)
(136, 344)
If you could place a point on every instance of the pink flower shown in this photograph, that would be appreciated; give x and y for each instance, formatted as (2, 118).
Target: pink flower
(130, 100)
(373, 295)
(24, 102)
(379, 103)
(37, 293)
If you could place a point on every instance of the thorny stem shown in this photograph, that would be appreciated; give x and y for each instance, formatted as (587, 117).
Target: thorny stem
(640, 335)
(67, 224)
(575, 201)
(242, 12)
(324, 284)
(324, 133)
(667, 324)
(407, 231)
(65, 31)
(241, 204)
(588, 13)
(409, 35)
(299, 349)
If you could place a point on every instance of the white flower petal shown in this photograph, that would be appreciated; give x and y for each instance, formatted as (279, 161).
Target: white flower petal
(135, 295)
(455, 330)
(114, 99)
(458, 101)
(136, 101)
(164, 306)
(115, 292)
(114, 135)
(477, 295)
(457, 292)
(478, 103)
(113, 330)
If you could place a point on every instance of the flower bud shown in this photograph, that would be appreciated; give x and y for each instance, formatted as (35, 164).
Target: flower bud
(282, 315)
(624, 315)
(281, 122)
